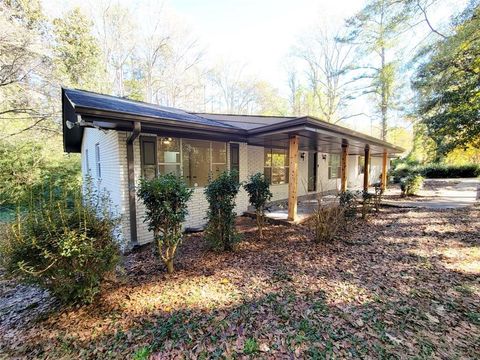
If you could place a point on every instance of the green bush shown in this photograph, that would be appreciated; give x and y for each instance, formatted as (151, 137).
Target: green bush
(439, 171)
(348, 201)
(63, 243)
(411, 184)
(435, 171)
(220, 193)
(165, 198)
(258, 189)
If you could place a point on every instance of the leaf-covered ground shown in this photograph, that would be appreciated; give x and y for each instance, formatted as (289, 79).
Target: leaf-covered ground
(405, 284)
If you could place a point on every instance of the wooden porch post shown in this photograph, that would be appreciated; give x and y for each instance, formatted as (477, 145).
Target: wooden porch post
(292, 177)
(384, 170)
(366, 170)
(344, 168)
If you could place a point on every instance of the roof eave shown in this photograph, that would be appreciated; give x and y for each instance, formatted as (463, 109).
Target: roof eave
(113, 115)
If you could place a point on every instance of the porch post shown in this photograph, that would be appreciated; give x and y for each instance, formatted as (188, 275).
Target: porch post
(384, 170)
(292, 177)
(366, 170)
(343, 168)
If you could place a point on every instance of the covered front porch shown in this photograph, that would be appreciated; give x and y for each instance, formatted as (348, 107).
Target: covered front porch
(311, 136)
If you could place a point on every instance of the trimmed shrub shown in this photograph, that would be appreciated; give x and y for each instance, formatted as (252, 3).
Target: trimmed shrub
(259, 194)
(435, 171)
(411, 184)
(165, 198)
(63, 243)
(220, 193)
(439, 171)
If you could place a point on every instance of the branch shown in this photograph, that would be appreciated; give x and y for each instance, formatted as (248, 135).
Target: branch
(428, 21)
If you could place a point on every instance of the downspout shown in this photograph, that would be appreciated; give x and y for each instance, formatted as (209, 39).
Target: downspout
(137, 128)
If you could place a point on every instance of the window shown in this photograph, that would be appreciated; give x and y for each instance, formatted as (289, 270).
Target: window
(148, 156)
(195, 160)
(202, 159)
(97, 161)
(87, 163)
(276, 166)
(361, 165)
(334, 166)
(169, 156)
(235, 160)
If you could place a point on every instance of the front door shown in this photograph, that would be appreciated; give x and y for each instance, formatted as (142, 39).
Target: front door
(312, 171)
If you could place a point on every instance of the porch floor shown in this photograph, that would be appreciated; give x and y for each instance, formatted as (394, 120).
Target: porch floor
(278, 212)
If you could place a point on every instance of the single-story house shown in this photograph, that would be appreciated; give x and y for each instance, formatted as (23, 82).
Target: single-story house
(122, 140)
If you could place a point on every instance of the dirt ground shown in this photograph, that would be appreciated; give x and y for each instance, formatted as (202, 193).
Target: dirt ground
(403, 284)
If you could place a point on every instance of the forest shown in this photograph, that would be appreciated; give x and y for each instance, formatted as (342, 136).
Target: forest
(426, 100)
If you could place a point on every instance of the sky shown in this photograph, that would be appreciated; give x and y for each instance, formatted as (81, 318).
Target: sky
(258, 34)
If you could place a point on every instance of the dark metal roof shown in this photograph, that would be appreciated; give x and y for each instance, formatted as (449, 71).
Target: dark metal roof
(91, 100)
(88, 109)
(247, 122)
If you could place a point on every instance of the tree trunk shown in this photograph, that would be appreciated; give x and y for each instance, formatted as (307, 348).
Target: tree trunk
(259, 226)
(169, 264)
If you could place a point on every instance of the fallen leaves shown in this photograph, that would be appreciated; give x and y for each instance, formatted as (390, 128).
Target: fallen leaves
(395, 286)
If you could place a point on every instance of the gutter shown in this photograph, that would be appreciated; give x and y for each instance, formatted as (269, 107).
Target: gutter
(137, 128)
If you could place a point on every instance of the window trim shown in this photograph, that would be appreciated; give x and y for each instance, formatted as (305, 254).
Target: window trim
(98, 163)
(87, 163)
(329, 167)
(181, 140)
(143, 139)
(286, 168)
(361, 167)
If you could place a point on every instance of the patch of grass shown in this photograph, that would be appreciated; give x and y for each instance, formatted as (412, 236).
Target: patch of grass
(142, 354)
(251, 347)
(465, 289)
(473, 317)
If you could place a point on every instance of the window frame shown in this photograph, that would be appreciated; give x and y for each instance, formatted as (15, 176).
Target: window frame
(285, 168)
(361, 165)
(180, 164)
(98, 163)
(87, 163)
(330, 167)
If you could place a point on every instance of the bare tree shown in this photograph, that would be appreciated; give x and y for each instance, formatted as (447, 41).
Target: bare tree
(326, 62)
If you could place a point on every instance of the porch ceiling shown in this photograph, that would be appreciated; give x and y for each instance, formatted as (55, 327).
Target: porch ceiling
(315, 136)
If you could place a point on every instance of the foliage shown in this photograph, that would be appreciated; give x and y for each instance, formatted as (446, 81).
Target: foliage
(434, 171)
(349, 200)
(77, 50)
(374, 30)
(64, 243)
(28, 167)
(440, 171)
(165, 198)
(367, 199)
(258, 190)
(411, 184)
(447, 85)
(220, 194)
(251, 346)
(328, 220)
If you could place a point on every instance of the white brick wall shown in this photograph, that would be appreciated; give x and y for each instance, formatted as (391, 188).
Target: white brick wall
(112, 172)
(113, 152)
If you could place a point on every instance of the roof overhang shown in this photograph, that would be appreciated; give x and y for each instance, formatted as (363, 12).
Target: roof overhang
(76, 118)
(316, 135)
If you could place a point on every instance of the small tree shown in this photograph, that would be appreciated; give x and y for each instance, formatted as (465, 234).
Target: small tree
(259, 194)
(220, 194)
(165, 198)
